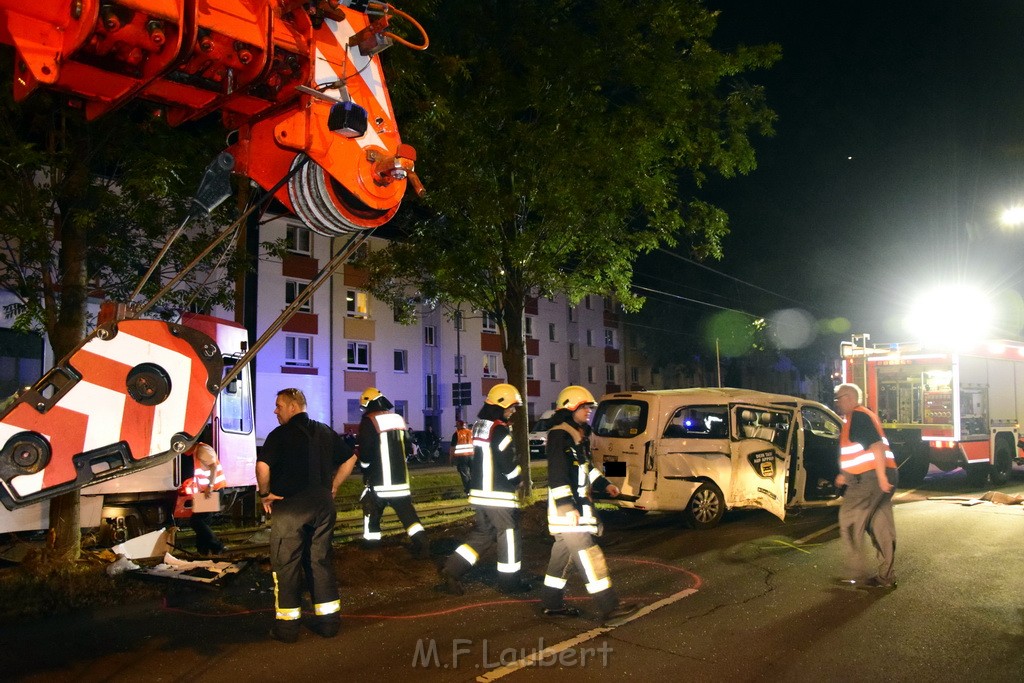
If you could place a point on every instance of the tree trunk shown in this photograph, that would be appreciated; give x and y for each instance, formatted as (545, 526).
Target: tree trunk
(67, 331)
(514, 356)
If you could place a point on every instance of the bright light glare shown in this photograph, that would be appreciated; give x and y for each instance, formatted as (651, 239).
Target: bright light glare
(1012, 216)
(954, 316)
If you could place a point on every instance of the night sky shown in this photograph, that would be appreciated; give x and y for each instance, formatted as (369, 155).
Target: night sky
(900, 139)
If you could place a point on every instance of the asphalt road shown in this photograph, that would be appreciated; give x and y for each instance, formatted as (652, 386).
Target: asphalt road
(751, 600)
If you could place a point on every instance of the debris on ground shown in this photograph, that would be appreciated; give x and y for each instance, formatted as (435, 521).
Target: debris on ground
(202, 571)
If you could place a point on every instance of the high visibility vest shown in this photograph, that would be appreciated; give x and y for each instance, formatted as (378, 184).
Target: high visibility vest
(853, 457)
(204, 478)
(463, 443)
(385, 472)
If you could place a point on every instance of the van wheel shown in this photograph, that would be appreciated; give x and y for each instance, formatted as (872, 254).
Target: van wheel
(706, 507)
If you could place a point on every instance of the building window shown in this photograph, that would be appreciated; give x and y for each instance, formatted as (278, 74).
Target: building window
(529, 368)
(554, 372)
(432, 398)
(609, 304)
(357, 304)
(609, 339)
(298, 239)
(552, 336)
(401, 360)
(358, 356)
(292, 290)
(355, 411)
(460, 321)
(528, 327)
(590, 374)
(298, 351)
(490, 365)
(590, 337)
(430, 335)
(572, 314)
(573, 353)
(402, 408)
(634, 374)
(609, 373)
(587, 302)
(460, 365)
(489, 323)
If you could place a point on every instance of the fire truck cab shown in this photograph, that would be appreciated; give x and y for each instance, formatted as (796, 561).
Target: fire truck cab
(950, 409)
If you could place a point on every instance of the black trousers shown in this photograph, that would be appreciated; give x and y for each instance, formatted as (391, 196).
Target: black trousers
(374, 507)
(301, 553)
(494, 526)
(462, 464)
(206, 540)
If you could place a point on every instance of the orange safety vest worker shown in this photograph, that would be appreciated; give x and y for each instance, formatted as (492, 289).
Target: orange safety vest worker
(463, 443)
(208, 475)
(854, 458)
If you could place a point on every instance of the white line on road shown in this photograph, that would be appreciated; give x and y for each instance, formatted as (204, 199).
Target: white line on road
(551, 652)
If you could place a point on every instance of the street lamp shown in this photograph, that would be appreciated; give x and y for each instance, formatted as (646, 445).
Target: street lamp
(951, 316)
(1012, 216)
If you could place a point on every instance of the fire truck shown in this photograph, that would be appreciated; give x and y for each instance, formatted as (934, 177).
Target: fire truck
(300, 86)
(950, 409)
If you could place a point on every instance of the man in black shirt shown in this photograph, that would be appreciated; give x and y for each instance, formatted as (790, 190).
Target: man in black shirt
(298, 472)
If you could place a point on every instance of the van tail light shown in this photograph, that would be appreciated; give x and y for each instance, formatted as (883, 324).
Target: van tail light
(648, 457)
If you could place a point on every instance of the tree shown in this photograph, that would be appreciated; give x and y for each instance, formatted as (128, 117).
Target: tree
(558, 141)
(84, 209)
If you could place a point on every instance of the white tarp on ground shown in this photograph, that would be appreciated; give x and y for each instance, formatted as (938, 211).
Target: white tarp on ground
(153, 544)
(202, 571)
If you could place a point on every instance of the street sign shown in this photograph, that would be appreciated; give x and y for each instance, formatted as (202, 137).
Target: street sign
(462, 393)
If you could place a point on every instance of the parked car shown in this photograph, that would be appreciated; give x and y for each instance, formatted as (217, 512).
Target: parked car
(539, 434)
(703, 451)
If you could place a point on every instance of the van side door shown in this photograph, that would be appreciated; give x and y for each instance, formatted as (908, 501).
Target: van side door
(761, 450)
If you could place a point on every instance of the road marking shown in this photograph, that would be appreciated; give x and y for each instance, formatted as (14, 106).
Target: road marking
(817, 533)
(553, 650)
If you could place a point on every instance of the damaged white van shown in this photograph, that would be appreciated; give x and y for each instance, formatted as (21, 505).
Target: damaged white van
(703, 451)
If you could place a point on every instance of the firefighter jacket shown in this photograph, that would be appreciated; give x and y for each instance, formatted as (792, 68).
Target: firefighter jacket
(572, 477)
(462, 443)
(495, 473)
(207, 473)
(854, 456)
(383, 448)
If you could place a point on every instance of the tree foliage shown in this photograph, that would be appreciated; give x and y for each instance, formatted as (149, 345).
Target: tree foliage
(84, 209)
(557, 141)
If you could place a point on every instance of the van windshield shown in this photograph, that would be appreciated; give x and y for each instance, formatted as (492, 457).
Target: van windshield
(620, 419)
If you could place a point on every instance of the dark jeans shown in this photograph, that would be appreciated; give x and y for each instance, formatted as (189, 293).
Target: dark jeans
(206, 541)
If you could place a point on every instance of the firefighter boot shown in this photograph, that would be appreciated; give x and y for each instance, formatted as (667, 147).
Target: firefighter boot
(285, 631)
(420, 546)
(451, 583)
(513, 584)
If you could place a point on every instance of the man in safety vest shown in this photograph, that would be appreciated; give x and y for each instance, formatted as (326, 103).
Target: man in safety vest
(384, 447)
(207, 477)
(495, 476)
(461, 452)
(572, 518)
(867, 467)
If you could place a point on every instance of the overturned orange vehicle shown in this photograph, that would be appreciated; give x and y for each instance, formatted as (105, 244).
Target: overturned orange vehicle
(300, 81)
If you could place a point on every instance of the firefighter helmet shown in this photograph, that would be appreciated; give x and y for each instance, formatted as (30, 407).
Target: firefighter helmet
(573, 397)
(503, 395)
(371, 394)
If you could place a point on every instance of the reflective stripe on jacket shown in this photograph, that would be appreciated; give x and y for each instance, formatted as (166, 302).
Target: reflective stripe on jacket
(854, 458)
(385, 471)
(495, 472)
(572, 482)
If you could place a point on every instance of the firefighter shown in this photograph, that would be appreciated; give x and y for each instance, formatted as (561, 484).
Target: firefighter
(572, 518)
(207, 477)
(384, 448)
(461, 452)
(495, 475)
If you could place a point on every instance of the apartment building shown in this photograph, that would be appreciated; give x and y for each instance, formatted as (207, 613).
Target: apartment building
(345, 340)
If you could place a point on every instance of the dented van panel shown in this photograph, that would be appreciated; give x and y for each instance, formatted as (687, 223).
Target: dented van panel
(697, 450)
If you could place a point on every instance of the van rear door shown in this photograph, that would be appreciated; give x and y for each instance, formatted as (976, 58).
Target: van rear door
(622, 447)
(761, 448)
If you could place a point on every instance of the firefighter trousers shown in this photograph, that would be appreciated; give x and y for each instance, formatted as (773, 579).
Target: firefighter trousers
(300, 550)
(866, 509)
(492, 526)
(578, 548)
(373, 509)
